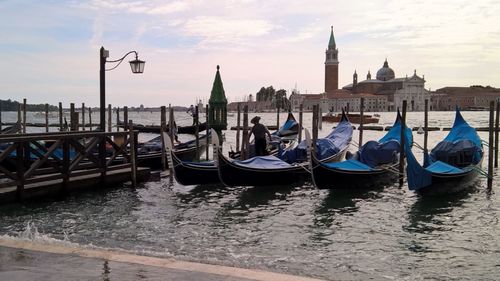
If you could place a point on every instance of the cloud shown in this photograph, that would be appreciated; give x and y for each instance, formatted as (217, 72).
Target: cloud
(218, 30)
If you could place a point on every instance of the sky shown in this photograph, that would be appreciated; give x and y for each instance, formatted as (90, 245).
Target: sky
(50, 48)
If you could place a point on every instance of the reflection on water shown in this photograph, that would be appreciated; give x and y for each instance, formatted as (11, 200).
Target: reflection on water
(106, 271)
(340, 203)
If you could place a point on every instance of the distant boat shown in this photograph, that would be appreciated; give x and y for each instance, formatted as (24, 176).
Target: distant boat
(156, 128)
(420, 130)
(353, 118)
(475, 108)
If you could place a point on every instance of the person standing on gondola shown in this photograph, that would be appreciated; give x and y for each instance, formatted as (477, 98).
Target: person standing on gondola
(259, 132)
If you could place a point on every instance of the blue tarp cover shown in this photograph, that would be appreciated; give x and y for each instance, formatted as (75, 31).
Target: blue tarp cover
(418, 176)
(290, 127)
(348, 165)
(459, 153)
(444, 168)
(373, 153)
(263, 162)
(326, 147)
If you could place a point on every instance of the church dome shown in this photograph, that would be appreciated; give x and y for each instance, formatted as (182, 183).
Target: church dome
(385, 73)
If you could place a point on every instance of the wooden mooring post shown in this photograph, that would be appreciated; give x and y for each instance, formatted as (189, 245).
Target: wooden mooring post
(320, 120)
(402, 147)
(24, 115)
(238, 123)
(244, 143)
(90, 118)
(110, 111)
(163, 125)
(197, 132)
(496, 132)
(72, 121)
(20, 117)
(208, 130)
(315, 125)
(277, 117)
(490, 145)
(426, 124)
(301, 107)
(171, 133)
(117, 118)
(125, 117)
(133, 156)
(83, 116)
(360, 128)
(60, 117)
(46, 117)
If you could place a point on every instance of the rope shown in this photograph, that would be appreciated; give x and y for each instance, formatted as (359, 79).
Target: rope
(480, 171)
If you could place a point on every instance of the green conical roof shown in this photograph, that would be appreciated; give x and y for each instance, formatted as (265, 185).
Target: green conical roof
(331, 43)
(217, 95)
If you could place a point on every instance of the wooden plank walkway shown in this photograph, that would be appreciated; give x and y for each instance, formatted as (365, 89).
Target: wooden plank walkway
(53, 188)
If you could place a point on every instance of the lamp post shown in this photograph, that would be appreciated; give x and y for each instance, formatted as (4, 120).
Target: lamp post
(137, 66)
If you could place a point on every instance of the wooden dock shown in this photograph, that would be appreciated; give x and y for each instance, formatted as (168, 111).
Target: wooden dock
(54, 188)
(54, 164)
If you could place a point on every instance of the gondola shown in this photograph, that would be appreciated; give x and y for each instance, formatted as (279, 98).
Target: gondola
(331, 148)
(156, 129)
(256, 171)
(453, 163)
(189, 172)
(285, 134)
(373, 165)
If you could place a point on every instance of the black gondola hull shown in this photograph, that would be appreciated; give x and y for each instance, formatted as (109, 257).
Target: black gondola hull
(326, 178)
(231, 174)
(443, 183)
(193, 173)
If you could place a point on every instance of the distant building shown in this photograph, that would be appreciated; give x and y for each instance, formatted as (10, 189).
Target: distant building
(338, 100)
(467, 98)
(412, 89)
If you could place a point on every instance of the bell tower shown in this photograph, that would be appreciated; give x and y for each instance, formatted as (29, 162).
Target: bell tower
(331, 65)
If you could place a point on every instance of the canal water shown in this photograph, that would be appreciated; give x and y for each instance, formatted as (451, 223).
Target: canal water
(388, 233)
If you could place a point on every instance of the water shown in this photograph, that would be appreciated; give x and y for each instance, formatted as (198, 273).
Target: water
(388, 233)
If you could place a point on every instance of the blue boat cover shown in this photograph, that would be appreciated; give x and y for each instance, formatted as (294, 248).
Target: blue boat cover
(263, 162)
(374, 153)
(291, 127)
(326, 147)
(348, 165)
(443, 168)
(418, 176)
(461, 147)
(57, 153)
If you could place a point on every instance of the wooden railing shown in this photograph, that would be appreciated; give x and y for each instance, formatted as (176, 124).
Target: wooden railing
(33, 158)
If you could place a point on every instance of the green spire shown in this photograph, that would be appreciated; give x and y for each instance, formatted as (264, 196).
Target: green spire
(217, 95)
(331, 43)
(217, 114)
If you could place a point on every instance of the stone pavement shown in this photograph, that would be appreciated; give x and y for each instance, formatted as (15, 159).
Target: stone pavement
(26, 260)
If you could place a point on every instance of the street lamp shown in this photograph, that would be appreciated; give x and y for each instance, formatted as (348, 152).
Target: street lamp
(136, 65)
